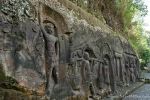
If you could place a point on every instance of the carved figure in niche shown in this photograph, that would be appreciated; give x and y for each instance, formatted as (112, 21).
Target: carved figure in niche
(94, 76)
(79, 59)
(52, 50)
(106, 74)
(136, 73)
(86, 73)
(100, 80)
(132, 76)
(126, 73)
(76, 79)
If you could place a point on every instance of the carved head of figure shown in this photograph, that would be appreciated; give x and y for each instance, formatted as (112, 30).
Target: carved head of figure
(131, 64)
(126, 61)
(86, 56)
(74, 57)
(49, 27)
(105, 61)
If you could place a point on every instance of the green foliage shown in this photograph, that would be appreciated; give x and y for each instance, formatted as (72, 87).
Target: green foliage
(148, 42)
(129, 9)
(145, 56)
(118, 14)
(141, 9)
(126, 10)
(140, 44)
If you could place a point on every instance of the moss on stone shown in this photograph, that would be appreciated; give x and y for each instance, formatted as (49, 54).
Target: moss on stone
(3, 78)
(9, 82)
(10, 94)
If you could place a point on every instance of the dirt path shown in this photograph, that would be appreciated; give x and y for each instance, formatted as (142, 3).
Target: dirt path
(143, 93)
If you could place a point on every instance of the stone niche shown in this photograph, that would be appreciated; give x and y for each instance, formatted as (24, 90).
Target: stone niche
(41, 52)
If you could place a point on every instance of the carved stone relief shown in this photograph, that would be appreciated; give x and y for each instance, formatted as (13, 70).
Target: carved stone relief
(76, 69)
(50, 61)
(119, 68)
(126, 71)
(52, 54)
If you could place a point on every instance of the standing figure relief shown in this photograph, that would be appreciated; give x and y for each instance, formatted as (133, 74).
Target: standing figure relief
(132, 76)
(76, 77)
(51, 55)
(127, 73)
(106, 74)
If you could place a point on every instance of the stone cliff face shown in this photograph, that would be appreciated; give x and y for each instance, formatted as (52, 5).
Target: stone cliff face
(54, 48)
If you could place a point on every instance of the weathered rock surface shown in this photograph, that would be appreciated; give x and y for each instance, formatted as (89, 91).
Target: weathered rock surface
(148, 66)
(49, 51)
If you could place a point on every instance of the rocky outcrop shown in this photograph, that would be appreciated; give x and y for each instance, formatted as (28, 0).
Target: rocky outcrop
(51, 49)
(148, 66)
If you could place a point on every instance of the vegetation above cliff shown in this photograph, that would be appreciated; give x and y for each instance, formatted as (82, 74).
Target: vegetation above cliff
(124, 17)
(118, 14)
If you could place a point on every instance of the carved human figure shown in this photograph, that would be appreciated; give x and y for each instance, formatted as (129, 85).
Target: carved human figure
(106, 74)
(100, 80)
(75, 58)
(86, 66)
(94, 75)
(126, 73)
(94, 67)
(52, 49)
(86, 73)
(132, 76)
(136, 73)
(76, 78)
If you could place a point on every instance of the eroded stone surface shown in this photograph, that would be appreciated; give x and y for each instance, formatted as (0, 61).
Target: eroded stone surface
(51, 52)
(148, 66)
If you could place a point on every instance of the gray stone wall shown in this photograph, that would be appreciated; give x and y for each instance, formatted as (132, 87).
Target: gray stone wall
(50, 51)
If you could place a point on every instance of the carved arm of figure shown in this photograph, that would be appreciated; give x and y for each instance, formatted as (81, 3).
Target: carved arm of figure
(93, 59)
(57, 47)
(41, 24)
(44, 32)
(86, 71)
(79, 59)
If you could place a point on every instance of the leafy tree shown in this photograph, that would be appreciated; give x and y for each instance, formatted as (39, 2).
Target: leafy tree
(145, 56)
(130, 10)
(148, 42)
(141, 8)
